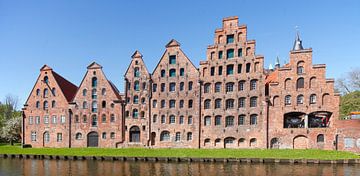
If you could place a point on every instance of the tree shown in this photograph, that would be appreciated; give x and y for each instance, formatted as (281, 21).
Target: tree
(349, 83)
(11, 130)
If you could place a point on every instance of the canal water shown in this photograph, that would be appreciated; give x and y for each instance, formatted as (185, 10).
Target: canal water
(9, 167)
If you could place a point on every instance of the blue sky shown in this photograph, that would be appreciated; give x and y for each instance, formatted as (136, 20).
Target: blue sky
(69, 35)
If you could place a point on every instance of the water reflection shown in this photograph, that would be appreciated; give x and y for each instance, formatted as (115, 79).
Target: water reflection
(52, 167)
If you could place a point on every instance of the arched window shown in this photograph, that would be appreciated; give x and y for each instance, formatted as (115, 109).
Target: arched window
(253, 142)
(172, 73)
(217, 120)
(53, 91)
(53, 104)
(300, 67)
(162, 73)
(253, 84)
(84, 92)
(287, 84)
(241, 119)
(190, 85)
(46, 79)
(78, 136)
(300, 99)
(320, 138)
(46, 137)
(253, 119)
(312, 98)
(142, 114)
(46, 92)
(207, 141)
(46, 105)
(37, 104)
(163, 119)
(103, 118)
(229, 87)
(103, 104)
(218, 87)
(94, 106)
(189, 136)
(300, 83)
(207, 121)
(37, 92)
(275, 101)
(229, 140)
(253, 102)
(207, 104)
(287, 100)
(136, 99)
(229, 121)
(207, 88)
(135, 113)
(94, 82)
(218, 103)
(242, 102)
(241, 85)
(136, 86)
(136, 72)
(103, 91)
(230, 104)
(248, 50)
(93, 94)
(94, 121)
(220, 39)
(165, 136)
(172, 119)
(103, 135)
(312, 83)
(84, 105)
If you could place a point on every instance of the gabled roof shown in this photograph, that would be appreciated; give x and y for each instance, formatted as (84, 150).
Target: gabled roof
(115, 89)
(45, 68)
(69, 89)
(138, 55)
(94, 65)
(172, 43)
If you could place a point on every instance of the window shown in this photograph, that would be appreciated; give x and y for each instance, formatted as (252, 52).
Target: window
(46, 137)
(300, 68)
(239, 69)
(154, 118)
(241, 85)
(242, 102)
(230, 70)
(84, 119)
(84, 92)
(212, 71)
(127, 113)
(181, 104)
(181, 88)
(78, 136)
(230, 53)
(31, 120)
(94, 107)
(165, 136)
(229, 140)
(37, 104)
(172, 59)
(190, 85)
(253, 119)
(220, 54)
(177, 136)
(248, 49)
(112, 135)
(240, 52)
(189, 136)
(253, 102)
(46, 105)
(163, 119)
(46, 92)
(94, 121)
(230, 38)
(207, 121)
(182, 71)
(287, 83)
(154, 104)
(53, 91)
(172, 87)
(46, 119)
(207, 88)
(135, 114)
(253, 84)
(163, 103)
(154, 87)
(320, 138)
(220, 70)
(103, 104)
(181, 120)
(37, 120)
(103, 91)
(62, 119)
(59, 137)
(218, 87)
(212, 55)
(172, 73)
(190, 120)
(207, 104)
(300, 99)
(172, 104)
(136, 86)
(217, 103)
(300, 83)
(190, 105)
(103, 135)
(241, 119)
(248, 65)
(229, 121)
(172, 119)
(84, 105)
(94, 82)
(33, 136)
(287, 100)
(162, 73)
(217, 120)
(112, 118)
(46, 80)
(136, 99)
(37, 92)
(312, 99)
(103, 118)
(229, 87)
(136, 72)
(77, 119)
(163, 87)
(94, 94)
(230, 104)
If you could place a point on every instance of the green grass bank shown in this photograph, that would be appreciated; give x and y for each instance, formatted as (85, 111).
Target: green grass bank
(184, 153)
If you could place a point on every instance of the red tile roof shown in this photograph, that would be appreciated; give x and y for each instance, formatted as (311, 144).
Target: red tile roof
(69, 89)
(272, 77)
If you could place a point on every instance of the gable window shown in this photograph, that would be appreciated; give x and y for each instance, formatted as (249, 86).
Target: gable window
(162, 73)
(217, 103)
(182, 72)
(172, 87)
(93, 94)
(253, 119)
(172, 73)
(46, 92)
(46, 80)
(212, 55)
(241, 119)
(94, 82)
(240, 52)
(229, 87)
(53, 91)
(220, 54)
(217, 87)
(53, 104)
(217, 120)
(230, 70)
(46, 105)
(84, 92)
(253, 102)
(136, 72)
(136, 86)
(172, 59)
(253, 84)
(37, 92)
(230, 53)
(230, 104)
(220, 70)
(37, 104)
(248, 66)
(84, 105)
(229, 121)
(230, 38)
(103, 91)
(300, 99)
(94, 106)
(300, 68)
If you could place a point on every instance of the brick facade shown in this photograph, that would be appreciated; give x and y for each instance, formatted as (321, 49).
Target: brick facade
(230, 101)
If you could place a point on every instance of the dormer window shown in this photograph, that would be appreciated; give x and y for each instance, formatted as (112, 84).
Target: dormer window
(230, 38)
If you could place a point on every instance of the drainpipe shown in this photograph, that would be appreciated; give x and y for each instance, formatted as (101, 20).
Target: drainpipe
(267, 122)
(70, 119)
(200, 121)
(23, 127)
(149, 103)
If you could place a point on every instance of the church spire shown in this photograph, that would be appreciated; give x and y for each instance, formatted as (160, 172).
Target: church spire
(297, 43)
(277, 62)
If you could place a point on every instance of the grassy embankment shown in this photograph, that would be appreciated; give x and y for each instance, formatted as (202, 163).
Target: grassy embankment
(194, 153)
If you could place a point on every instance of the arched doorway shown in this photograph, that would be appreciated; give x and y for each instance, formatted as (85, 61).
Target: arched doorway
(93, 139)
(46, 138)
(135, 134)
(229, 142)
(300, 142)
(153, 137)
(275, 143)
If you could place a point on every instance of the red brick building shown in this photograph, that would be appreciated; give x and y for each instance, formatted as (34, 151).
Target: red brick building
(230, 101)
